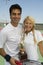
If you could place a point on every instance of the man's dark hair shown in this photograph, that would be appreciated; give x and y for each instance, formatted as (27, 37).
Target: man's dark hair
(15, 6)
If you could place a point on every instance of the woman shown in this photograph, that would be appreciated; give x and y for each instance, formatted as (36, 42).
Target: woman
(32, 39)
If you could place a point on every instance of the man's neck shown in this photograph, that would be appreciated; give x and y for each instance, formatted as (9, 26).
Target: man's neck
(14, 24)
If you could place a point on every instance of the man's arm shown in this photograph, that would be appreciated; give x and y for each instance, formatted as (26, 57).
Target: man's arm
(3, 38)
(12, 61)
(3, 53)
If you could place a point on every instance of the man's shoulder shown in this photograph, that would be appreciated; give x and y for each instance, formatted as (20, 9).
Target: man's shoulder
(20, 24)
(5, 29)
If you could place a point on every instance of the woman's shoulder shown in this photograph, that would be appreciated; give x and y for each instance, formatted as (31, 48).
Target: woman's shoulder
(37, 32)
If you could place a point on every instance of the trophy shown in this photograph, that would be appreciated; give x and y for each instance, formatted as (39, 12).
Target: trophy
(22, 53)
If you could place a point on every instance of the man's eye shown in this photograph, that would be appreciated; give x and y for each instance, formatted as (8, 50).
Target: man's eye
(18, 13)
(14, 13)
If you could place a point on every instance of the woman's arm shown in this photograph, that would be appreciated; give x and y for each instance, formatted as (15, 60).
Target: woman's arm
(40, 45)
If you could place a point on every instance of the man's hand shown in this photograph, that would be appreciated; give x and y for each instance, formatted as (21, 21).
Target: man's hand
(15, 62)
(12, 61)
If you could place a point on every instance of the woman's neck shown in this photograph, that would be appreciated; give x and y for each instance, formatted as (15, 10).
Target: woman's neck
(29, 31)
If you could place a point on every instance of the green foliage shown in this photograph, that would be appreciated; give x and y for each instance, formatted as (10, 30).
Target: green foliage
(1, 60)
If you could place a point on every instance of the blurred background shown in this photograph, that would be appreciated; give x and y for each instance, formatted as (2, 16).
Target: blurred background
(32, 8)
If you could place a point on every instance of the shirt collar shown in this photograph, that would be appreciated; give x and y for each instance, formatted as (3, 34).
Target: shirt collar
(30, 33)
(13, 26)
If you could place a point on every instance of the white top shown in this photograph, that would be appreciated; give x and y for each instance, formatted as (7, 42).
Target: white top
(10, 38)
(30, 46)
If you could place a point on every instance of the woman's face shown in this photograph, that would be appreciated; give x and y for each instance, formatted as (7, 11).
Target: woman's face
(28, 25)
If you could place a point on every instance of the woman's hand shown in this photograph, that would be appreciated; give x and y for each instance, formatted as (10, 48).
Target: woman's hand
(22, 49)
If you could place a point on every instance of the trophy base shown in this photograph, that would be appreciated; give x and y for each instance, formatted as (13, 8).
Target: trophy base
(22, 56)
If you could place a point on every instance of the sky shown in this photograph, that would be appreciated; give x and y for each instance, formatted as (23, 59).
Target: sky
(32, 8)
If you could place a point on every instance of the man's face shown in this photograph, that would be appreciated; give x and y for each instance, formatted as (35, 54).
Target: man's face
(15, 16)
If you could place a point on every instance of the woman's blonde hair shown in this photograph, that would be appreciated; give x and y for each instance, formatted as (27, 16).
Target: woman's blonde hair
(31, 19)
(33, 22)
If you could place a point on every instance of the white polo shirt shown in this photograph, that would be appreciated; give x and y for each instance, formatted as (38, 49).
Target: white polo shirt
(10, 38)
(30, 46)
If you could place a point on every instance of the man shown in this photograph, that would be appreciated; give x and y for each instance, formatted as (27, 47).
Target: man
(10, 36)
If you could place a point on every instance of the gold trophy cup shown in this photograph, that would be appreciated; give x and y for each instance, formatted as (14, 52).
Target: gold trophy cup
(22, 53)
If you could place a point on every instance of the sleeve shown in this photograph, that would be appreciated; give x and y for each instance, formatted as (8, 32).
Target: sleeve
(39, 36)
(2, 39)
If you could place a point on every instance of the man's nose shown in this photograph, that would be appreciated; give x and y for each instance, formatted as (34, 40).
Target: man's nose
(16, 15)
